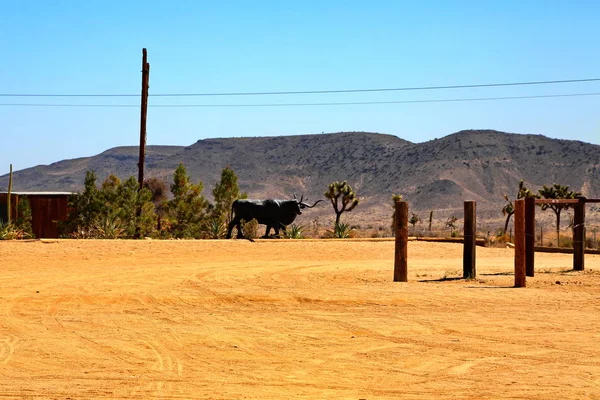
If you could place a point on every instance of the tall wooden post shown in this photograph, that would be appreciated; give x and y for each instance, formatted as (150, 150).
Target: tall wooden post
(519, 243)
(579, 235)
(9, 198)
(401, 248)
(144, 113)
(470, 230)
(529, 235)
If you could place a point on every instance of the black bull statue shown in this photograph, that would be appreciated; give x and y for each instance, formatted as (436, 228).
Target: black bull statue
(274, 214)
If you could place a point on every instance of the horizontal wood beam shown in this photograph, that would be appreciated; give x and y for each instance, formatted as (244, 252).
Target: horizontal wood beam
(556, 201)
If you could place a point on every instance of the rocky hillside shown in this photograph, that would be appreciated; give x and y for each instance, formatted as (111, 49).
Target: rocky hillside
(438, 175)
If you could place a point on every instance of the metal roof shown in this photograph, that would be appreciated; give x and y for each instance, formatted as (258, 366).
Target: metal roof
(39, 193)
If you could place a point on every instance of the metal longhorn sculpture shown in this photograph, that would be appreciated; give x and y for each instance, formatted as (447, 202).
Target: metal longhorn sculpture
(275, 214)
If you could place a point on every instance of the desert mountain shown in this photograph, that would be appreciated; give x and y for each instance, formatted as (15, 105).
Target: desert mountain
(479, 165)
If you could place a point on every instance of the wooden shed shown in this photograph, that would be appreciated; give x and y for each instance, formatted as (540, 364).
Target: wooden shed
(47, 209)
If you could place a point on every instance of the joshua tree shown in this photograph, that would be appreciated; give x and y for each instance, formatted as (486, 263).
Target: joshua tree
(414, 219)
(451, 223)
(557, 191)
(342, 198)
(509, 209)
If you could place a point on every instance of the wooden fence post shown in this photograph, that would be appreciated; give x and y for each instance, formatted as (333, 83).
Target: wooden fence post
(401, 248)
(520, 269)
(579, 235)
(529, 235)
(470, 230)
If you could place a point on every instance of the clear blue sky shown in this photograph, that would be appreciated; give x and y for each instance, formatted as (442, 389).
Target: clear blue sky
(95, 47)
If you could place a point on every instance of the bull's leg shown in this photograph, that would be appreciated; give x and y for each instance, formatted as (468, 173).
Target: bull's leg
(276, 228)
(240, 234)
(230, 227)
(267, 232)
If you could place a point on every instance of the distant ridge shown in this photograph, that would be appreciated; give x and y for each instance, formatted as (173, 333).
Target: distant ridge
(479, 165)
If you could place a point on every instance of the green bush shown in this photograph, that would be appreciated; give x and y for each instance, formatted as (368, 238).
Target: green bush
(341, 231)
(295, 232)
(215, 229)
(9, 231)
(116, 209)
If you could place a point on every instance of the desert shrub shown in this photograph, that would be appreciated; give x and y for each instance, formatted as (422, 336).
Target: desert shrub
(20, 228)
(341, 231)
(116, 209)
(23, 221)
(10, 231)
(250, 229)
(107, 227)
(215, 229)
(566, 242)
(294, 232)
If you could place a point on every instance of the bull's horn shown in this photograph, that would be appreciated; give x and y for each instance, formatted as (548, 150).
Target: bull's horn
(307, 206)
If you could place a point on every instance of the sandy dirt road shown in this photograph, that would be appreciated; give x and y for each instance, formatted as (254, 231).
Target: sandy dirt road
(291, 319)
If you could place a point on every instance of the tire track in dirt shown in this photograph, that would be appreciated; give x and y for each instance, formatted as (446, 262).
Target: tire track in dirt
(8, 341)
(7, 348)
(168, 367)
(456, 346)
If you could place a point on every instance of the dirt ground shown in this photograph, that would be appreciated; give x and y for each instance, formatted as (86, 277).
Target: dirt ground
(291, 319)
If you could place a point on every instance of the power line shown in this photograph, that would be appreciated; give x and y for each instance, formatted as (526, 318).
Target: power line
(299, 104)
(312, 91)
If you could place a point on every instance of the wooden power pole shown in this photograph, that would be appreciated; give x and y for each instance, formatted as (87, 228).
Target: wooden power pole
(144, 113)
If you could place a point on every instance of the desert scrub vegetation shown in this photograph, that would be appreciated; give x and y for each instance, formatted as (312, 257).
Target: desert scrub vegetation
(341, 231)
(20, 228)
(121, 209)
(294, 232)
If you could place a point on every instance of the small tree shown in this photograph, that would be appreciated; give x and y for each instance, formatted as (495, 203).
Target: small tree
(414, 220)
(24, 217)
(158, 189)
(129, 199)
(188, 207)
(451, 223)
(509, 209)
(84, 208)
(557, 191)
(342, 198)
(225, 192)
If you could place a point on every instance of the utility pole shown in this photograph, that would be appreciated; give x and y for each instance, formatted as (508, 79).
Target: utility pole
(144, 114)
(9, 200)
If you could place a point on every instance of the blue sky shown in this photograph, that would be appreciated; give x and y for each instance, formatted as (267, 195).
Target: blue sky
(95, 47)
